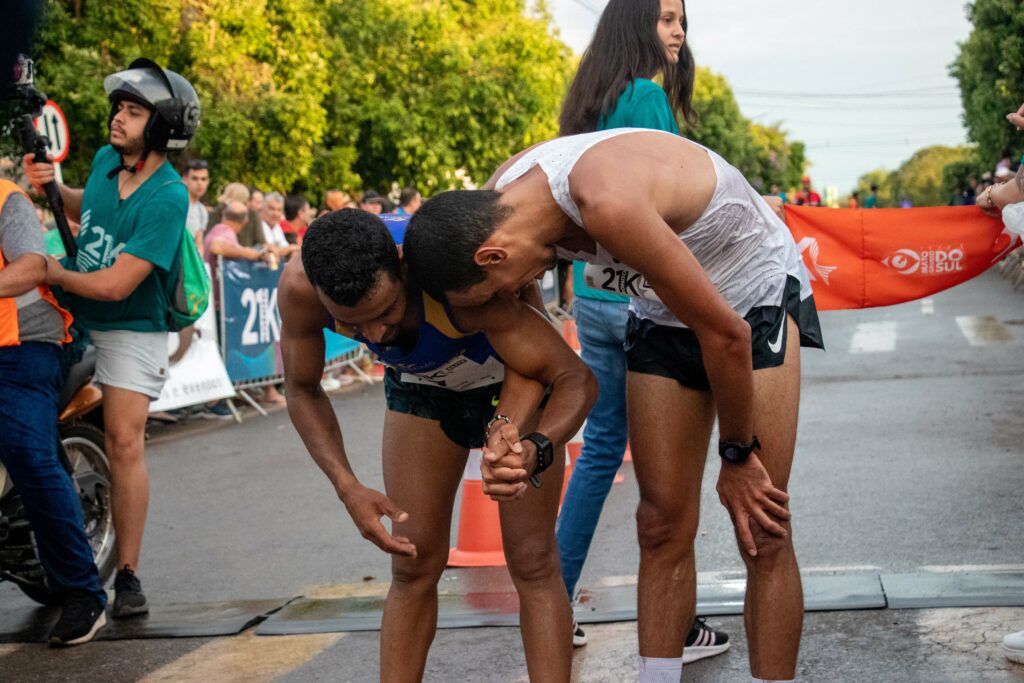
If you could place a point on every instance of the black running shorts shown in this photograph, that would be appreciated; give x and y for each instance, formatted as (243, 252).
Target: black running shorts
(674, 352)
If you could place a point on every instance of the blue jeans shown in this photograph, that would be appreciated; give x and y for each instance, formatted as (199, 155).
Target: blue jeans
(30, 382)
(601, 328)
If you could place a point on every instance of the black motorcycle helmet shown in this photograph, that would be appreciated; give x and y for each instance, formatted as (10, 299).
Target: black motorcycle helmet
(170, 97)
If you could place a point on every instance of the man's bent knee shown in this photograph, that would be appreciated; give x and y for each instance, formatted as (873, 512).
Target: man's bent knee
(660, 527)
(533, 562)
(422, 571)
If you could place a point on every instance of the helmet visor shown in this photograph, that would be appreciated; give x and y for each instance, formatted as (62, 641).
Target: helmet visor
(145, 85)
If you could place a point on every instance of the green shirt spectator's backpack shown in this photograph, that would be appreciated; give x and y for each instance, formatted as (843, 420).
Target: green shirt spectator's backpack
(191, 288)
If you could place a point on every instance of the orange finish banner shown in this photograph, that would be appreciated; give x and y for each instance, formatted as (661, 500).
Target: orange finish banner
(861, 258)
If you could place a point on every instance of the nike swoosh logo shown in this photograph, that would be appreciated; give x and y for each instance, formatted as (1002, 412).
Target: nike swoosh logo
(776, 345)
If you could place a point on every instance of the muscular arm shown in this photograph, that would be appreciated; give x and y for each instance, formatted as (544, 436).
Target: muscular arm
(302, 350)
(22, 275)
(652, 248)
(107, 284)
(532, 348)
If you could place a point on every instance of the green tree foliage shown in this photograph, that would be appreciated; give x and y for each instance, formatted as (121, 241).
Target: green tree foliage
(262, 84)
(928, 178)
(777, 160)
(721, 125)
(306, 95)
(920, 178)
(762, 153)
(426, 88)
(81, 43)
(990, 68)
(885, 180)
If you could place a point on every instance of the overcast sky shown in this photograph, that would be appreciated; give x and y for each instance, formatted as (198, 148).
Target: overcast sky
(784, 57)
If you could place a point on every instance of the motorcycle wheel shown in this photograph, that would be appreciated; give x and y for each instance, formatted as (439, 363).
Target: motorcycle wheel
(85, 447)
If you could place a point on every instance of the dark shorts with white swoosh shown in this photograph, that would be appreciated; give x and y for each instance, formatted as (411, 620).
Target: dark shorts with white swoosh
(674, 352)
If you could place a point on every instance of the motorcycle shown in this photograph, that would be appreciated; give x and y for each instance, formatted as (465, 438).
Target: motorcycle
(82, 452)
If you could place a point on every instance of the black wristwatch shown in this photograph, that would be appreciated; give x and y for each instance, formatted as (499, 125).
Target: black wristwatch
(545, 456)
(737, 452)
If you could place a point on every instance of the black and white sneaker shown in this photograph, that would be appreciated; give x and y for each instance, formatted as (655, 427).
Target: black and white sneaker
(129, 599)
(81, 617)
(704, 642)
(579, 638)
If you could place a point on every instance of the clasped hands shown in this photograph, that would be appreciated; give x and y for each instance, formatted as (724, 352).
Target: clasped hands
(506, 463)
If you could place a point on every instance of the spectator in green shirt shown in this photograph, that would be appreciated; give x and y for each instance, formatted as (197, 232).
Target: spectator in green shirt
(132, 213)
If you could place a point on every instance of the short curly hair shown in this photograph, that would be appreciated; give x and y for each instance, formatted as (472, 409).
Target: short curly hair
(443, 236)
(344, 252)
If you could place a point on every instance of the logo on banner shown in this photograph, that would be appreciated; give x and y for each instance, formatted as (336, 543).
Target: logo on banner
(817, 271)
(928, 262)
(262, 326)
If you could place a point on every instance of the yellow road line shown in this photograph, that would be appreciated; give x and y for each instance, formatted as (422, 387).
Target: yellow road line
(246, 658)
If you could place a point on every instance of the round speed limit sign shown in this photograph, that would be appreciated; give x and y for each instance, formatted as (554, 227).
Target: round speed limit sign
(54, 126)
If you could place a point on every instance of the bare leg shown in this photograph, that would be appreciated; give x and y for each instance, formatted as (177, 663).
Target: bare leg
(124, 424)
(774, 609)
(545, 615)
(422, 470)
(669, 427)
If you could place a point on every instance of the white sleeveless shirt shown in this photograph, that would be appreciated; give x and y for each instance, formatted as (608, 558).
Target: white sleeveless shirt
(743, 247)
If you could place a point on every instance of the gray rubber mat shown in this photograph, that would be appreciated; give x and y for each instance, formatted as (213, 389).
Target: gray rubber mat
(331, 615)
(601, 605)
(923, 590)
(31, 625)
(822, 593)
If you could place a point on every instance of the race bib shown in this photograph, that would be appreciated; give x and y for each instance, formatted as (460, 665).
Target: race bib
(460, 374)
(618, 279)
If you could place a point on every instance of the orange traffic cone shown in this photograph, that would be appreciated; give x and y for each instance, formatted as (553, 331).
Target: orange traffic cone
(479, 541)
(569, 334)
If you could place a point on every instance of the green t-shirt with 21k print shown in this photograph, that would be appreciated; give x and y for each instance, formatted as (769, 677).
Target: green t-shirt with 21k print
(148, 224)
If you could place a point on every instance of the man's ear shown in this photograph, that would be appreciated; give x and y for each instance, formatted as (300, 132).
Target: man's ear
(490, 256)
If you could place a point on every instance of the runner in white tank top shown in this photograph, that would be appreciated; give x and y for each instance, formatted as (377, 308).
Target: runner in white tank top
(743, 247)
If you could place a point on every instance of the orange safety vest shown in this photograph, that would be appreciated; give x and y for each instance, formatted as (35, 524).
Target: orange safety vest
(8, 307)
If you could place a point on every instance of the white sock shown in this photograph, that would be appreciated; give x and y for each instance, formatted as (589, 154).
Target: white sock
(655, 670)
(766, 680)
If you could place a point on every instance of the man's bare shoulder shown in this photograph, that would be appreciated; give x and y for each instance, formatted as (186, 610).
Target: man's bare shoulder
(299, 302)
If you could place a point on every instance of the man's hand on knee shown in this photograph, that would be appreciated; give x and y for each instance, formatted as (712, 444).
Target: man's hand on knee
(747, 493)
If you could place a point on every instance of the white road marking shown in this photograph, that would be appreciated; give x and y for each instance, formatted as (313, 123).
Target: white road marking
(874, 338)
(927, 306)
(983, 330)
(973, 568)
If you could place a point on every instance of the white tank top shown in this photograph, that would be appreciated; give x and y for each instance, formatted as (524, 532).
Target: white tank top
(743, 247)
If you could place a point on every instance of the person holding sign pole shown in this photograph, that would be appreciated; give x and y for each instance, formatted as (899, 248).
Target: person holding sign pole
(132, 211)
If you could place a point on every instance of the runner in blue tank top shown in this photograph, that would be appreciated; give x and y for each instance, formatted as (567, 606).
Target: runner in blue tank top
(446, 387)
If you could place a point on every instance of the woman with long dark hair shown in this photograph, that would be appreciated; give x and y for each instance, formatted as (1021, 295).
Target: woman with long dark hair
(635, 42)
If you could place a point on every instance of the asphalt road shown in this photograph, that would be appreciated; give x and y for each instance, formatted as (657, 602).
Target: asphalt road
(909, 456)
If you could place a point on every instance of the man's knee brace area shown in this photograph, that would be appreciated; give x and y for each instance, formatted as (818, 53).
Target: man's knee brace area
(533, 562)
(658, 526)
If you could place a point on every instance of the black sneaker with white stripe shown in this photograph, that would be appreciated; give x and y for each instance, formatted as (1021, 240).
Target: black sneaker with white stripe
(704, 642)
